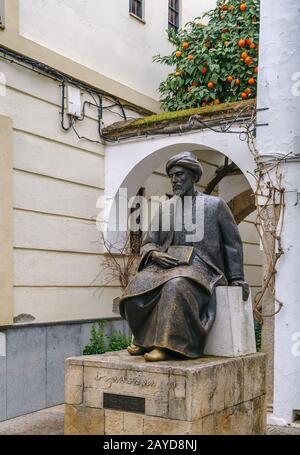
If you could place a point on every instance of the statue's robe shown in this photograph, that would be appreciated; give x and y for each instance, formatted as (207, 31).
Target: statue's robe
(175, 308)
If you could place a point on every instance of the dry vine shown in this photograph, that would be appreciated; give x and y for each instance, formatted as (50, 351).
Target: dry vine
(120, 261)
(270, 206)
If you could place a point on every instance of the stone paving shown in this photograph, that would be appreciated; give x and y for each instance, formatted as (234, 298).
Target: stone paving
(51, 422)
(275, 430)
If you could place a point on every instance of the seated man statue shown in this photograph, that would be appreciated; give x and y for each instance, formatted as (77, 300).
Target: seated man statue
(170, 304)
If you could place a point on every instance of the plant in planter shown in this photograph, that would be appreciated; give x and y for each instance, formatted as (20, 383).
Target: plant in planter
(100, 342)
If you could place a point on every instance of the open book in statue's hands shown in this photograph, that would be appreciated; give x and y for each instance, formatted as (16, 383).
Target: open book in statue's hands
(184, 254)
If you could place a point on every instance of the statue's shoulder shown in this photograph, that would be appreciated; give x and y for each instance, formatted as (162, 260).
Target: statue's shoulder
(211, 200)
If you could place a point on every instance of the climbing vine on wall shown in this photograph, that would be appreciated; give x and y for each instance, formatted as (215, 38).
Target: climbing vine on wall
(270, 204)
(214, 63)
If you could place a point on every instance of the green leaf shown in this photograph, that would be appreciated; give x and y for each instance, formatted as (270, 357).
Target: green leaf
(214, 49)
(214, 78)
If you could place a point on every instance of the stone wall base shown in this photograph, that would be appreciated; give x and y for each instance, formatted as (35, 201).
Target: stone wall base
(38, 351)
(116, 394)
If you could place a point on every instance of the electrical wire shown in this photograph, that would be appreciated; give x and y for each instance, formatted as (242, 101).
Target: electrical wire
(120, 115)
(45, 70)
(85, 138)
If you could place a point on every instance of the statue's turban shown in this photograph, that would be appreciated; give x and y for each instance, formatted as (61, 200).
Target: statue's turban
(187, 160)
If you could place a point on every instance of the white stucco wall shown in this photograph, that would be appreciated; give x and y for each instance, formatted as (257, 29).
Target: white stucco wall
(279, 78)
(287, 291)
(57, 180)
(104, 37)
(279, 90)
(192, 9)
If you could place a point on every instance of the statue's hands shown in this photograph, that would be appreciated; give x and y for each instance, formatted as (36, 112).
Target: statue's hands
(164, 260)
(243, 285)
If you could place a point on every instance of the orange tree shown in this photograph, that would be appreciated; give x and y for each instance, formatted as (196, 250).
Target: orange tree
(214, 63)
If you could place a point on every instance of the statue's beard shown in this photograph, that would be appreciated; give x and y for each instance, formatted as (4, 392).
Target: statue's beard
(178, 192)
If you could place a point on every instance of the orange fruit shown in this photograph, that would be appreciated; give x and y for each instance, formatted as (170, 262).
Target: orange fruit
(243, 7)
(248, 91)
(251, 81)
(254, 19)
(256, 69)
(248, 41)
(204, 70)
(244, 55)
(224, 7)
(185, 45)
(252, 46)
(244, 96)
(190, 57)
(237, 82)
(248, 60)
(231, 8)
(229, 79)
(242, 43)
(217, 102)
(178, 54)
(210, 85)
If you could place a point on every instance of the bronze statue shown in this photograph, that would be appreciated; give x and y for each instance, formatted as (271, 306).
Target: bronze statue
(170, 304)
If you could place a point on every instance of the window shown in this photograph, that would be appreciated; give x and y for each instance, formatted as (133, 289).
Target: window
(136, 8)
(174, 14)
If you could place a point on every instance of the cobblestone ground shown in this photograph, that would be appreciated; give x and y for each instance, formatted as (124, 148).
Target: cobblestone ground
(51, 421)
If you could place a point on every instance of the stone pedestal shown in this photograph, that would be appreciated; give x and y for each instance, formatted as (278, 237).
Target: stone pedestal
(232, 334)
(117, 394)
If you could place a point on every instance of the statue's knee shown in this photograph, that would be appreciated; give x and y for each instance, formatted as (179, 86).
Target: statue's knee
(176, 283)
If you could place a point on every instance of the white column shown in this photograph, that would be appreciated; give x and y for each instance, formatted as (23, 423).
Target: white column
(287, 288)
(279, 90)
(279, 77)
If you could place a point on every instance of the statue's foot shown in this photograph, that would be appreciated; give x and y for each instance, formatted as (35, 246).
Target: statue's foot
(157, 355)
(136, 350)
